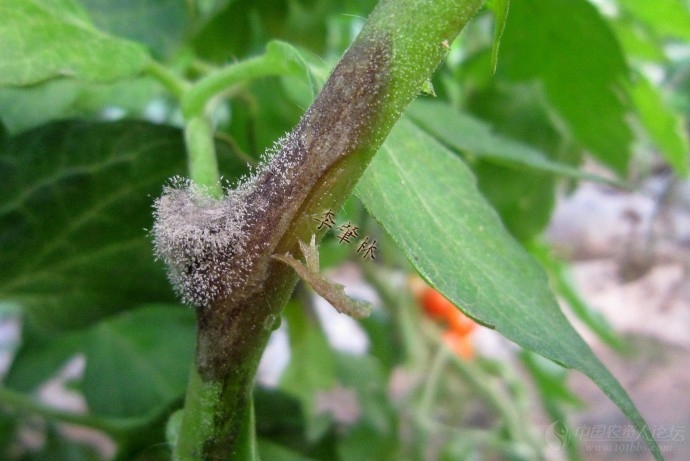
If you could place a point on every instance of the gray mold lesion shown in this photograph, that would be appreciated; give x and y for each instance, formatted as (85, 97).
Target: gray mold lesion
(201, 240)
(217, 248)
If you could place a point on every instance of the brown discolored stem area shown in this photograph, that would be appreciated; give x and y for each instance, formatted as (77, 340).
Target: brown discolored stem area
(233, 330)
(315, 169)
(340, 122)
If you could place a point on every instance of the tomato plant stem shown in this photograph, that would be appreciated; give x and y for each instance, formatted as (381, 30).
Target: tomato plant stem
(201, 154)
(175, 84)
(204, 433)
(315, 168)
(196, 100)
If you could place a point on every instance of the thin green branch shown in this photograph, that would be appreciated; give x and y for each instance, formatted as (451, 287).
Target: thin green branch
(401, 307)
(198, 131)
(480, 382)
(175, 84)
(504, 405)
(195, 101)
(201, 155)
(433, 381)
(202, 67)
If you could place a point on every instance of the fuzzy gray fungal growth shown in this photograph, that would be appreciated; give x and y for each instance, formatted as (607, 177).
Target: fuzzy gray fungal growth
(201, 240)
(217, 249)
(342, 120)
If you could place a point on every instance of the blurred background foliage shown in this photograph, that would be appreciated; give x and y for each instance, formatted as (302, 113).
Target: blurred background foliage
(607, 87)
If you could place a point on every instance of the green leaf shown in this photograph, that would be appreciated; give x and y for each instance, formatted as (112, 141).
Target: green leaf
(521, 113)
(275, 452)
(427, 200)
(139, 361)
(525, 201)
(663, 126)
(278, 417)
(500, 10)
(9, 428)
(286, 57)
(22, 108)
(559, 272)
(638, 42)
(42, 40)
(40, 356)
(668, 18)
(159, 24)
(213, 40)
(551, 380)
(251, 21)
(463, 132)
(576, 57)
(75, 200)
(365, 442)
(59, 447)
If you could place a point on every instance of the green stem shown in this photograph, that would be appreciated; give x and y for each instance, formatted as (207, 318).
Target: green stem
(198, 131)
(203, 165)
(201, 154)
(196, 100)
(503, 404)
(316, 168)
(432, 382)
(176, 85)
(206, 402)
(561, 280)
(480, 382)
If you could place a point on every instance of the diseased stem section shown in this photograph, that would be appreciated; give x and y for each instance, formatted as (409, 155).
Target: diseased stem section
(196, 100)
(218, 420)
(314, 168)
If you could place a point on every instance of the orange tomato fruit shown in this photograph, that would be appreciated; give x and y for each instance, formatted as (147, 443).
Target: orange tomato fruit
(437, 306)
(460, 344)
(461, 324)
